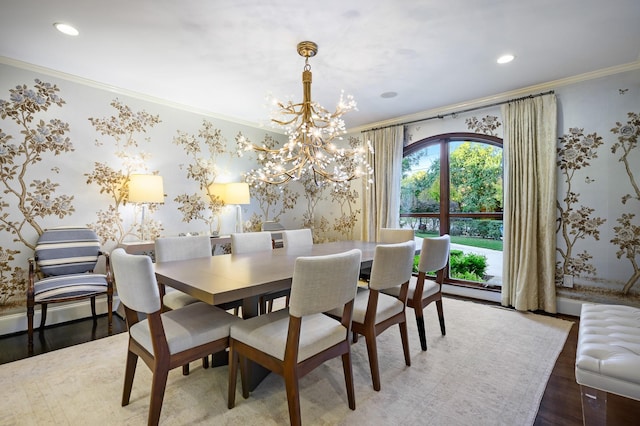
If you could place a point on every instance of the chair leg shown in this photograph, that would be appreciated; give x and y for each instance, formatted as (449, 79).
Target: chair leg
(293, 395)
(129, 373)
(110, 314)
(348, 379)
(205, 362)
(404, 336)
(93, 309)
(43, 315)
(185, 370)
(441, 316)
(158, 385)
(421, 331)
(372, 351)
(30, 329)
(233, 377)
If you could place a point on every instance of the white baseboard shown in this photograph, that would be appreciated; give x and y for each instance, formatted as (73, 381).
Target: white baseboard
(474, 293)
(56, 314)
(563, 305)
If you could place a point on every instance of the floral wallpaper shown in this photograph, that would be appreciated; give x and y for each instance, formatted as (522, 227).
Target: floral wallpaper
(114, 138)
(67, 149)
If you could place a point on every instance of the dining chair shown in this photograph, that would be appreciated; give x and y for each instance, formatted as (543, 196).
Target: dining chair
(389, 236)
(274, 228)
(293, 342)
(168, 249)
(395, 235)
(164, 340)
(374, 311)
(250, 242)
(434, 256)
(63, 270)
(297, 238)
(290, 238)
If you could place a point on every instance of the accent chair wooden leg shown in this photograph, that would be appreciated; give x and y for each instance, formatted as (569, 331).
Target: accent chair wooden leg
(93, 309)
(185, 370)
(43, 315)
(421, 331)
(30, 329)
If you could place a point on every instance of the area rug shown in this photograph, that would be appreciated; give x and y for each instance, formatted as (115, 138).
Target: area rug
(491, 368)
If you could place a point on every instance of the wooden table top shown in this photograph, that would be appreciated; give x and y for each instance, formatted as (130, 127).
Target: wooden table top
(229, 277)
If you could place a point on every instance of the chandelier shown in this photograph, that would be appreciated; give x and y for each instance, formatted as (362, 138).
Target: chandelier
(310, 149)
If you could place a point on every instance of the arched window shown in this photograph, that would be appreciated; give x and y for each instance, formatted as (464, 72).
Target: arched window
(452, 184)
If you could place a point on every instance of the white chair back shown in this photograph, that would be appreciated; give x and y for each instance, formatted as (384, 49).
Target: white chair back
(322, 283)
(395, 235)
(136, 281)
(182, 248)
(297, 238)
(392, 265)
(434, 253)
(250, 242)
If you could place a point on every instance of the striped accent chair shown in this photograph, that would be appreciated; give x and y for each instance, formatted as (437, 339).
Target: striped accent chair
(62, 270)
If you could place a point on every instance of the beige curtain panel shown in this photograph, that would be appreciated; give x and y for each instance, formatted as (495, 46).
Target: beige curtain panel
(381, 200)
(530, 133)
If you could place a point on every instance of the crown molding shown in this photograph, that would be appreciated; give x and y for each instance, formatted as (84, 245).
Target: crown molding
(542, 87)
(126, 92)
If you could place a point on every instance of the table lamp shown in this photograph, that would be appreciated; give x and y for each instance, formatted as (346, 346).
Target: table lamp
(145, 189)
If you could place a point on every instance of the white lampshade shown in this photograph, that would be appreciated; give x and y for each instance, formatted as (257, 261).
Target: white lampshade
(237, 193)
(219, 190)
(146, 189)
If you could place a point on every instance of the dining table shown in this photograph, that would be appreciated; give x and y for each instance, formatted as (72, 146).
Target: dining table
(220, 279)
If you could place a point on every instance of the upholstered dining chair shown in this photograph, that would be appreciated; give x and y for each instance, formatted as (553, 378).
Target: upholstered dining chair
(434, 256)
(180, 248)
(251, 242)
(297, 238)
(373, 311)
(389, 236)
(274, 228)
(395, 235)
(62, 270)
(292, 342)
(168, 249)
(164, 340)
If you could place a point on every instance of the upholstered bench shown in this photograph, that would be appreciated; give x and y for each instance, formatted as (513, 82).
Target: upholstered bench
(607, 357)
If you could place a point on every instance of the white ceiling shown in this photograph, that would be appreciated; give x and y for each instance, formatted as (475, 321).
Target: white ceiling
(225, 56)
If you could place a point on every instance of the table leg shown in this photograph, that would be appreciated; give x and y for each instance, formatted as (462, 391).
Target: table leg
(255, 372)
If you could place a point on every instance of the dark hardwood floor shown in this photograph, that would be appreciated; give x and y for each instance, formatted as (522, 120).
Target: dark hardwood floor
(560, 404)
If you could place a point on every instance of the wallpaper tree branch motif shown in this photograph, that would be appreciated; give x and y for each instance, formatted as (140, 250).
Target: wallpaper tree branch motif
(627, 235)
(204, 172)
(575, 223)
(32, 199)
(487, 125)
(123, 128)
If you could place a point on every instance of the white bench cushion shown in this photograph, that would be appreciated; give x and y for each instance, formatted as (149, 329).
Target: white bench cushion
(608, 353)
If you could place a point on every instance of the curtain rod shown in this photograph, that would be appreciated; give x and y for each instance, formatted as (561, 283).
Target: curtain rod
(461, 112)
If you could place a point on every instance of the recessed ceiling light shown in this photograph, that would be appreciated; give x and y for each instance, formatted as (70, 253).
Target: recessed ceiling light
(388, 95)
(505, 59)
(66, 29)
